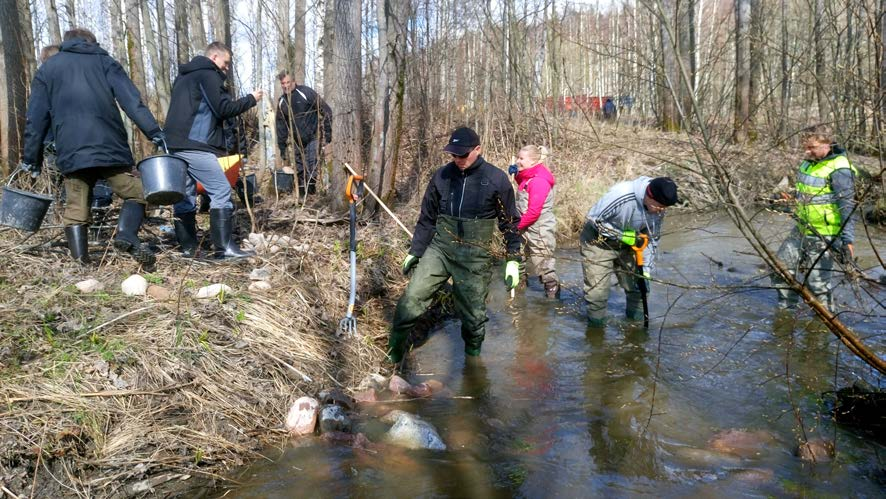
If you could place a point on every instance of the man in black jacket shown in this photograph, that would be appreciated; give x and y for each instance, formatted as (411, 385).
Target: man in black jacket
(454, 237)
(76, 93)
(198, 108)
(299, 113)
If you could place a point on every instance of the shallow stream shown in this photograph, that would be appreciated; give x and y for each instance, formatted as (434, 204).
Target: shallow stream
(555, 409)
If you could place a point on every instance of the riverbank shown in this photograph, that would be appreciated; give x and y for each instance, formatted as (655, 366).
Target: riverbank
(112, 395)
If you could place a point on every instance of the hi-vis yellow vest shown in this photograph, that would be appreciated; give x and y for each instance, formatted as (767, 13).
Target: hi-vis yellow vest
(817, 208)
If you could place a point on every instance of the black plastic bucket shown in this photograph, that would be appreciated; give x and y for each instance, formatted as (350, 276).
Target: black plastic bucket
(163, 178)
(23, 210)
(284, 181)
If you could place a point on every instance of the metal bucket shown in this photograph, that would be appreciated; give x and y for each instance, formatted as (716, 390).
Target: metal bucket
(284, 181)
(23, 210)
(163, 178)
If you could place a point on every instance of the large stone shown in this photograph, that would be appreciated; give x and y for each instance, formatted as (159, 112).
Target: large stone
(398, 385)
(256, 286)
(212, 291)
(302, 416)
(374, 380)
(159, 293)
(334, 418)
(134, 285)
(367, 396)
(414, 433)
(89, 286)
(260, 274)
(335, 396)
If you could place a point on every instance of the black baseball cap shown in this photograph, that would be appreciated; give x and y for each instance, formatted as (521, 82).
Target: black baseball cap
(462, 141)
(663, 190)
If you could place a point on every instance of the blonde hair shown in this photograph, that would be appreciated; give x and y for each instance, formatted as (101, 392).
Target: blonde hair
(536, 153)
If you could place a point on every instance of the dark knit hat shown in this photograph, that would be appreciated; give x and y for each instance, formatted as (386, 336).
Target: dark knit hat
(663, 190)
(462, 141)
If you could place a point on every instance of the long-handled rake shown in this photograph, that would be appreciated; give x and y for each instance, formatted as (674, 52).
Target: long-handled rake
(353, 192)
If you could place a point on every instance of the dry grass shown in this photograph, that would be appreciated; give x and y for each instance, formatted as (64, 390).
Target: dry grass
(117, 389)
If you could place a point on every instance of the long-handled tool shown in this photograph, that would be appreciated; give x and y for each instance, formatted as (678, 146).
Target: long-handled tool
(353, 192)
(640, 244)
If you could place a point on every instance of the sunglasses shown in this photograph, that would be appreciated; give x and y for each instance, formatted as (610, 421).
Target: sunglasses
(460, 156)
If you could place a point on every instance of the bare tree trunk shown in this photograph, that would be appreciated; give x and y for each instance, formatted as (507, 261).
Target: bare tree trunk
(392, 19)
(136, 67)
(819, 58)
(284, 49)
(26, 32)
(881, 97)
(161, 82)
(298, 42)
(785, 95)
(755, 49)
(182, 36)
(742, 71)
(198, 28)
(118, 31)
(344, 94)
(221, 21)
(55, 35)
(669, 88)
(14, 75)
(685, 26)
(71, 12)
(163, 74)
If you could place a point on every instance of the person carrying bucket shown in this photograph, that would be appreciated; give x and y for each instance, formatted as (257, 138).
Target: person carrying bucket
(199, 105)
(75, 93)
(629, 215)
(454, 237)
(825, 223)
(535, 202)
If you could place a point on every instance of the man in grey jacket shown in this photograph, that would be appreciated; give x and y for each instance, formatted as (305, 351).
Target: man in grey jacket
(630, 211)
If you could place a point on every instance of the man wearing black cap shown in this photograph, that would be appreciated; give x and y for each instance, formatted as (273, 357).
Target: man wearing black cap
(630, 211)
(454, 237)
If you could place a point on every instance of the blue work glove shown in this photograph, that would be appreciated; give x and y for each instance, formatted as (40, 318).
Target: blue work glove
(629, 237)
(512, 274)
(408, 263)
(34, 170)
(512, 169)
(159, 139)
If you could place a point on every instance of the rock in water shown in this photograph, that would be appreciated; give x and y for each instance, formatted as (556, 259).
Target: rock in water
(399, 385)
(134, 285)
(413, 433)
(817, 450)
(741, 443)
(333, 418)
(302, 416)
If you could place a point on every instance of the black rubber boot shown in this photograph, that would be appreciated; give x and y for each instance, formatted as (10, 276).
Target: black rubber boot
(552, 289)
(132, 214)
(186, 233)
(77, 242)
(221, 225)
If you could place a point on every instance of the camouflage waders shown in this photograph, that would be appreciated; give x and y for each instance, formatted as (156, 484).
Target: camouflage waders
(540, 241)
(799, 252)
(601, 259)
(460, 249)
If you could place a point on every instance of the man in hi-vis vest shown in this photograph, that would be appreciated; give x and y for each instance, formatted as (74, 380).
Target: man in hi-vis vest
(825, 223)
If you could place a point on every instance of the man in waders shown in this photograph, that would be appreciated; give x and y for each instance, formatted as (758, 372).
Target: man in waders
(74, 96)
(629, 211)
(454, 237)
(825, 224)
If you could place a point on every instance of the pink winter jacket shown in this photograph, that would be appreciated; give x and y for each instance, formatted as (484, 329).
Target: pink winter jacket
(537, 182)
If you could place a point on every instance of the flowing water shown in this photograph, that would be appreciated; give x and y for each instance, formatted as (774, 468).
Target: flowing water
(555, 409)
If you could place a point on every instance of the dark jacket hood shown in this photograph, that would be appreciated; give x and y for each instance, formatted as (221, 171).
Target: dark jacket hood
(836, 150)
(81, 46)
(199, 63)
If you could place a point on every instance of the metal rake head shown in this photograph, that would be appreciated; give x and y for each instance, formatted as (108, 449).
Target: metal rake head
(348, 326)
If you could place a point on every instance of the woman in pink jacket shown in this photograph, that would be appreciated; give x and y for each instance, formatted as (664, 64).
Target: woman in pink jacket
(535, 202)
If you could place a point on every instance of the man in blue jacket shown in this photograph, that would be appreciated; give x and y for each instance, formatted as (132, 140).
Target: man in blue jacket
(75, 95)
(199, 106)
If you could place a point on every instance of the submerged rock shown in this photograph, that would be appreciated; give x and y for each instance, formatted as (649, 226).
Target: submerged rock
(398, 385)
(756, 476)
(334, 418)
(302, 416)
(393, 416)
(741, 443)
(703, 458)
(366, 396)
(817, 450)
(414, 433)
